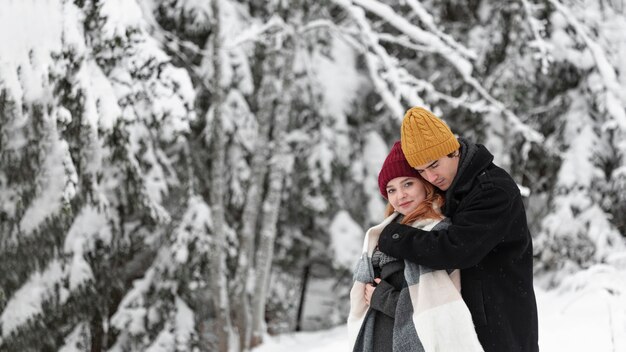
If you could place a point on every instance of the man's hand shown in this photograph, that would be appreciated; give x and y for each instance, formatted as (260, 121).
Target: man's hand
(389, 235)
(369, 290)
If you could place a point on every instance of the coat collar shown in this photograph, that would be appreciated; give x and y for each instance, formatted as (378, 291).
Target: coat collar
(473, 160)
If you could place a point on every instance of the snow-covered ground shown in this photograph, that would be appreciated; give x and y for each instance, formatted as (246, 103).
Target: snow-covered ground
(577, 321)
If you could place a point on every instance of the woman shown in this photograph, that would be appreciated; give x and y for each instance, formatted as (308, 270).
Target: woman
(401, 306)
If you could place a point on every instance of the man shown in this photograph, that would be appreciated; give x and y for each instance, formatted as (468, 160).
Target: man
(488, 239)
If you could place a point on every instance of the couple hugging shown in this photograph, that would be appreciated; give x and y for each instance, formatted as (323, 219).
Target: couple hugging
(450, 267)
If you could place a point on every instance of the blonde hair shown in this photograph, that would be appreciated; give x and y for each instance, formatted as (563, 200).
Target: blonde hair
(429, 208)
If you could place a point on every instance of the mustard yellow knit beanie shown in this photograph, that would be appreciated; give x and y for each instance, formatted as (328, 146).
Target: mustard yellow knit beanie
(425, 137)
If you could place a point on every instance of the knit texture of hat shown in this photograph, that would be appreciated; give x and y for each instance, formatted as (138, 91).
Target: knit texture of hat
(395, 165)
(425, 137)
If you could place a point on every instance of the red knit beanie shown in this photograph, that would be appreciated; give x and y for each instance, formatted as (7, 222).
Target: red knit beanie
(395, 165)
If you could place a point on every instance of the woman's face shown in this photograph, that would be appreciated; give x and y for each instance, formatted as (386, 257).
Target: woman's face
(405, 194)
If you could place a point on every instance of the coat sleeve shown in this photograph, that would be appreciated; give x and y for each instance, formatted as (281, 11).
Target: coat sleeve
(476, 229)
(385, 298)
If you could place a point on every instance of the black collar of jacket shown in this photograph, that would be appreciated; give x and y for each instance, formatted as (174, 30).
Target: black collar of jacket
(474, 159)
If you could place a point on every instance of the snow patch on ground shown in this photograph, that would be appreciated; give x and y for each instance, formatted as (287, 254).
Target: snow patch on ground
(591, 319)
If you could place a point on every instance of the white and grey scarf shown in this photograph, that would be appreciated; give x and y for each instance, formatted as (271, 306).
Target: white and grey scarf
(431, 315)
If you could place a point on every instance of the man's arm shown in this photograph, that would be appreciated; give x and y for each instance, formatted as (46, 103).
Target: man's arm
(474, 232)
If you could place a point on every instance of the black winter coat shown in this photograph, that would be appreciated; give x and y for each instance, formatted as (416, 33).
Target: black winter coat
(384, 302)
(490, 242)
(383, 305)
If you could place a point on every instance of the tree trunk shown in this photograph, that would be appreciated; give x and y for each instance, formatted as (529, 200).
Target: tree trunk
(305, 282)
(217, 258)
(245, 274)
(280, 62)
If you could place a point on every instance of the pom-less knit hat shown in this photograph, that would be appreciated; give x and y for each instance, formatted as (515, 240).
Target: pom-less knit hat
(395, 165)
(425, 137)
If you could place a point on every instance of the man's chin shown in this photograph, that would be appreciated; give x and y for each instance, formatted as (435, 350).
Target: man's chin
(444, 187)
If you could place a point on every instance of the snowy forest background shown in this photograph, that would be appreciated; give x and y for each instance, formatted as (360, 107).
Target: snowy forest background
(178, 175)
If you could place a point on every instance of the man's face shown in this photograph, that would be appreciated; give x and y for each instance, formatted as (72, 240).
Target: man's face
(440, 172)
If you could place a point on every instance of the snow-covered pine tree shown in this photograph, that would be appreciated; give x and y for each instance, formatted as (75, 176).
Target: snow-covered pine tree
(583, 226)
(102, 109)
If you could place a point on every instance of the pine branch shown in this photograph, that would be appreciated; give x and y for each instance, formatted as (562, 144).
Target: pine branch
(429, 22)
(615, 97)
(389, 85)
(537, 28)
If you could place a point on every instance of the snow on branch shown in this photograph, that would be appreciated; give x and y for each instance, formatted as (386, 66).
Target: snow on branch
(429, 22)
(426, 38)
(614, 105)
(147, 198)
(27, 302)
(404, 41)
(319, 23)
(529, 134)
(374, 60)
(537, 27)
(455, 58)
(479, 106)
(256, 31)
(390, 80)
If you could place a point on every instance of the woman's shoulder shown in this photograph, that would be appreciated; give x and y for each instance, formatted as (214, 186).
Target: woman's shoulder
(432, 224)
(442, 224)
